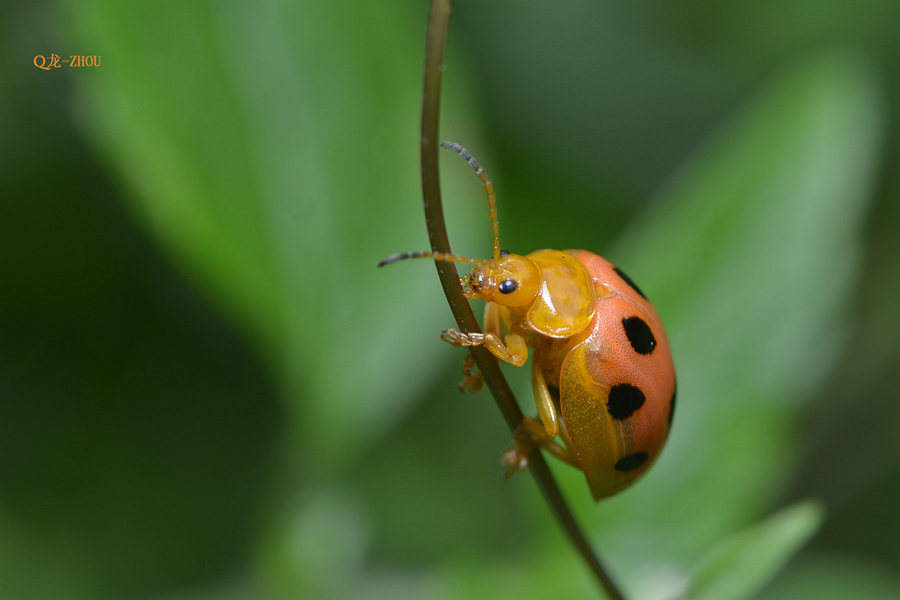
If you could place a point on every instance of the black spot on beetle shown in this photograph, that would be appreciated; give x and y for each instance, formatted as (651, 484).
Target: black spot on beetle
(505, 252)
(639, 335)
(631, 462)
(623, 400)
(628, 280)
(672, 404)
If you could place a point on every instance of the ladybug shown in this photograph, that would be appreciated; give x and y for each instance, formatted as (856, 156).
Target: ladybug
(601, 369)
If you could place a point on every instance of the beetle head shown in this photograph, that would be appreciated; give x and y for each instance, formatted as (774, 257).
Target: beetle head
(510, 280)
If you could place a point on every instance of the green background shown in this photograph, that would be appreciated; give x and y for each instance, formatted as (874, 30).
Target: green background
(208, 391)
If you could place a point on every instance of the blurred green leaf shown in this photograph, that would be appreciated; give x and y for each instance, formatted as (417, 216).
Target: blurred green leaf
(277, 171)
(320, 548)
(835, 576)
(33, 569)
(741, 564)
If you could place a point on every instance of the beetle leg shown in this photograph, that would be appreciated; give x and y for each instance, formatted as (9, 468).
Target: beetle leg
(516, 348)
(492, 324)
(546, 409)
(472, 380)
(529, 434)
(514, 351)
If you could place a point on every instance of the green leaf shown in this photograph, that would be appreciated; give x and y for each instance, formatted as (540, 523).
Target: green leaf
(823, 575)
(740, 565)
(276, 171)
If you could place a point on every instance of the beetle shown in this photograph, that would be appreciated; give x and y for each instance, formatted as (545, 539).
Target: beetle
(602, 370)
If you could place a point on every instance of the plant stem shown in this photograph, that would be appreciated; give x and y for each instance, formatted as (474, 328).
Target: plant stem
(438, 27)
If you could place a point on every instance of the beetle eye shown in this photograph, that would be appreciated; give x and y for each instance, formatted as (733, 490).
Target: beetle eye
(508, 286)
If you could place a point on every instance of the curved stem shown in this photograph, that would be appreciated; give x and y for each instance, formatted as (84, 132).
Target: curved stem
(438, 27)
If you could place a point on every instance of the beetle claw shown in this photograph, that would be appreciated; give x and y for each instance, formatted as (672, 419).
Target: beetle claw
(472, 382)
(514, 458)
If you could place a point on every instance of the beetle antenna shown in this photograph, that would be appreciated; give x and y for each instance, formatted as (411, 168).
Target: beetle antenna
(442, 256)
(492, 198)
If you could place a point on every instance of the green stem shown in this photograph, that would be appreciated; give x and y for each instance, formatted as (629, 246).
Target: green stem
(438, 27)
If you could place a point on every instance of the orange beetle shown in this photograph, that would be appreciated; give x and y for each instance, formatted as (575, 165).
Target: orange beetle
(602, 371)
